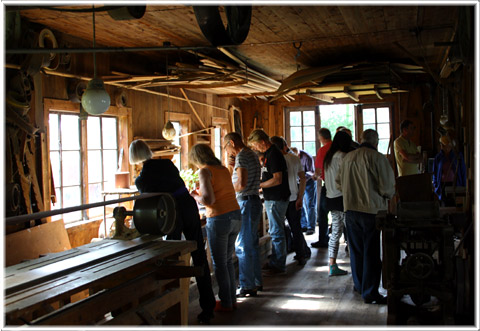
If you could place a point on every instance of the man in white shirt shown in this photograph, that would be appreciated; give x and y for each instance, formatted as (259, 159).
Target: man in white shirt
(296, 182)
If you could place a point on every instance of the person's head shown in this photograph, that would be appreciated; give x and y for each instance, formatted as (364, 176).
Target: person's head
(139, 152)
(201, 155)
(324, 135)
(370, 136)
(446, 143)
(280, 143)
(340, 128)
(233, 143)
(407, 128)
(295, 150)
(341, 142)
(259, 140)
(347, 130)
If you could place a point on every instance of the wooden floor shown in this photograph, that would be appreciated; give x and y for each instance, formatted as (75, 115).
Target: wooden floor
(304, 296)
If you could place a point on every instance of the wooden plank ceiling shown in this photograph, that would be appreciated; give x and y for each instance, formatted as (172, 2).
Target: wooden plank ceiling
(364, 43)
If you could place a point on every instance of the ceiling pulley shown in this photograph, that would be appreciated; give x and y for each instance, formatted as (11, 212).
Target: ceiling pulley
(210, 22)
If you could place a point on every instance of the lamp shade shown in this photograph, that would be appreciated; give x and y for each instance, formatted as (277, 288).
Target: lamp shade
(95, 100)
(169, 131)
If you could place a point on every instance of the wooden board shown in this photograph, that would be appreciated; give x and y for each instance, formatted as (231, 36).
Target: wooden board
(98, 266)
(31, 243)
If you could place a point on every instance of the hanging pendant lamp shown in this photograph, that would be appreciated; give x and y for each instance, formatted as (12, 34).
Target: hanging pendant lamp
(168, 131)
(95, 100)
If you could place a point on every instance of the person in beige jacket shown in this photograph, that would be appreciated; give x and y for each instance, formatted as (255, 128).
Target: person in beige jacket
(366, 181)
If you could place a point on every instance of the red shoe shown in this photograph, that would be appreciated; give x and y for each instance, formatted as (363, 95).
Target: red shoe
(220, 308)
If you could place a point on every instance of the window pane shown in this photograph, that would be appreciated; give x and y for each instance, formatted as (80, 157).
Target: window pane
(93, 133)
(95, 195)
(109, 132)
(295, 118)
(308, 117)
(383, 115)
(369, 115)
(70, 132)
(55, 162)
(218, 147)
(309, 133)
(109, 168)
(71, 197)
(383, 131)
(310, 148)
(71, 168)
(296, 133)
(94, 166)
(53, 132)
(383, 145)
(368, 126)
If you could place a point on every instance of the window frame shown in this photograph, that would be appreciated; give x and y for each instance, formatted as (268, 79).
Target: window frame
(223, 124)
(315, 109)
(359, 121)
(124, 134)
(185, 142)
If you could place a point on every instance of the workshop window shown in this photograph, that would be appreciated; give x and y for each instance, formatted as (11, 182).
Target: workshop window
(74, 144)
(302, 125)
(378, 118)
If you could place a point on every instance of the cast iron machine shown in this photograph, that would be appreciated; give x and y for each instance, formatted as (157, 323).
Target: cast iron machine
(418, 264)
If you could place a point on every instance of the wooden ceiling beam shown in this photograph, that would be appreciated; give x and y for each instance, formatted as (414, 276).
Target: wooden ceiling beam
(352, 95)
(377, 92)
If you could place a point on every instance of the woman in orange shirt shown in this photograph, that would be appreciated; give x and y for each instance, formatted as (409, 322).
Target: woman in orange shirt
(224, 220)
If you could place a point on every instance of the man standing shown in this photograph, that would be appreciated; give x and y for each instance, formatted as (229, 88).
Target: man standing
(246, 182)
(367, 181)
(406, 153)
(308, 218)
(326, 140)
(274, 184)
(296, 183)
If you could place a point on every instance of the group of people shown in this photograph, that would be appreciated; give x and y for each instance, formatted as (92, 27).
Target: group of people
(357, 183)
(448, 169)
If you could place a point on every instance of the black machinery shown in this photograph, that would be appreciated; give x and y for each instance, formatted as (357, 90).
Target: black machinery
(154, 215)
(418, 264)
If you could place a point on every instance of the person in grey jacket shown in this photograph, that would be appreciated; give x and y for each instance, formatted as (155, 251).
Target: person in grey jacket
(367, 181)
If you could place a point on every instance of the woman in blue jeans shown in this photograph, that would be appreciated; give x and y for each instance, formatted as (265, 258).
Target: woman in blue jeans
(224, 220)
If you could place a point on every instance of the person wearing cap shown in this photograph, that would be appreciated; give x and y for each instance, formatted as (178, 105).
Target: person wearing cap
(406, 153)
(448, 169)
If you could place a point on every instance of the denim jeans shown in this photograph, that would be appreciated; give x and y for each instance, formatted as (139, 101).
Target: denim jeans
(323, 217)
(309, 219)
(222, 231)
(276, 211)
(364, 246)
(247, 251)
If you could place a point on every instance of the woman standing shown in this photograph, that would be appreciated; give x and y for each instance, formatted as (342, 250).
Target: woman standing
(161, 175)
(224, 220)
(340, 146)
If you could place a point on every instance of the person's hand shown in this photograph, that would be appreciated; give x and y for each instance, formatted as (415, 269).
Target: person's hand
(231, 160)
(299, 204)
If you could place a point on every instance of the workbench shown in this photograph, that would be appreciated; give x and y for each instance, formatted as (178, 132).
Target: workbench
(109, 282)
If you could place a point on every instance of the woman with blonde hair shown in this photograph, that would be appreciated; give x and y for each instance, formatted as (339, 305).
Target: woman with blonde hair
(161, 175)
(224, 220)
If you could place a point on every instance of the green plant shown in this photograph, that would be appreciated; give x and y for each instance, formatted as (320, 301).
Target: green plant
(190, 178)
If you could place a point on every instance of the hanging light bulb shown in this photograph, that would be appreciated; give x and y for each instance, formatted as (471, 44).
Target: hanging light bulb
(95, 100)
(168, 131)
